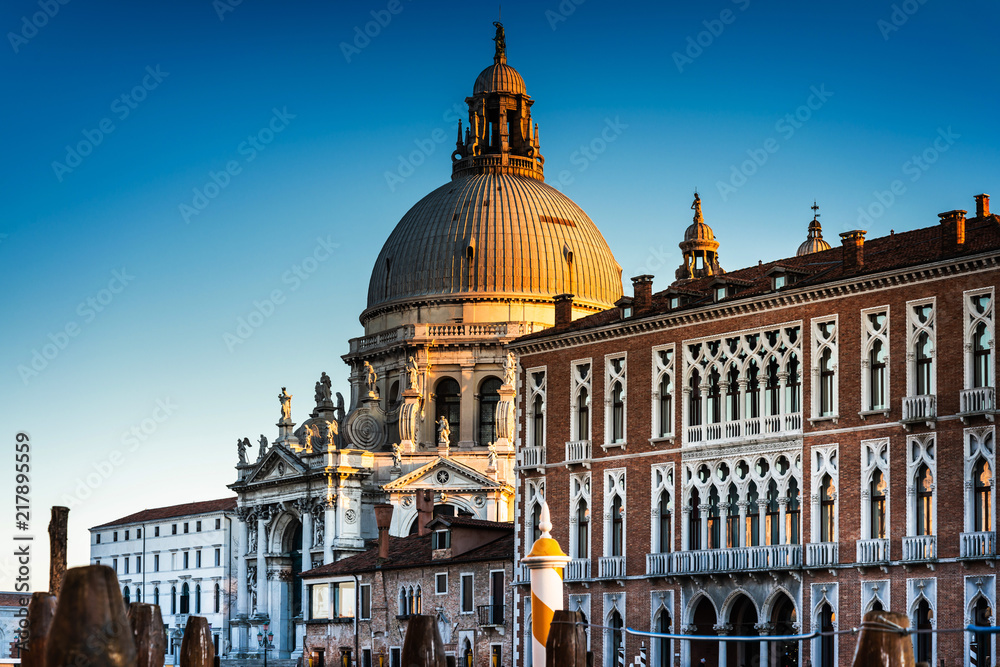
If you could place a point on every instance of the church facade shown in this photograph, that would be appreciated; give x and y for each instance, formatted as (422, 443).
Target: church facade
(774, 450)
(472, 266)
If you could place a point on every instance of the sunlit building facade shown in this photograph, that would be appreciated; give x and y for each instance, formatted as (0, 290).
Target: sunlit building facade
(775, 450)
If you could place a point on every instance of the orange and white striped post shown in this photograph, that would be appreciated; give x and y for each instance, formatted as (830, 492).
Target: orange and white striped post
(546, 562)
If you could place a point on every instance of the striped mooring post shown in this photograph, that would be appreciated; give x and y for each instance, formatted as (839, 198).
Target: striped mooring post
(546, 562)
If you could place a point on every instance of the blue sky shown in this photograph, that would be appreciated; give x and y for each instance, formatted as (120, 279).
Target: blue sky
(763, 107)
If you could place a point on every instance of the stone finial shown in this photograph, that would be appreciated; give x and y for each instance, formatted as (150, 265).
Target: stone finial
(545, 520)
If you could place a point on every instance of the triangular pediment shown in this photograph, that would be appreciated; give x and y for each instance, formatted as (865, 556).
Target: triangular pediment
(444, 473)
(278, 463)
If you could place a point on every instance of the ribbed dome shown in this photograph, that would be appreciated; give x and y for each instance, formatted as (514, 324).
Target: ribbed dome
(810, 246)
(499, 78)
(520, 232)
(699, 231)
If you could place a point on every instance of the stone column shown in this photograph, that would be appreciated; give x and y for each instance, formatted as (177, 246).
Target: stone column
(262, 516)
(305, 509)
(329, 529)
(764, 629)
(242, 594)
(724, 527)
(703, 388)
(743, 382)
(762, 536)
(685, 527)
(782, 512)
(467, 429)
(744, 506)
(723, 629)
(703, 512)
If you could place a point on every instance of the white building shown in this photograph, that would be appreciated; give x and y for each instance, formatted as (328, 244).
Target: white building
(180, 557)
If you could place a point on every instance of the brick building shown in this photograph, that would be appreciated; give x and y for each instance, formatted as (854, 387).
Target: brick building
(455, 567)
(775, 449)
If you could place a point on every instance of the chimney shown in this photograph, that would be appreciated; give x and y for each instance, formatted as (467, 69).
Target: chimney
(383, 519)
(952, 231)
(642, 292)
(425, 510)
(564, 309)
(854, 249)
(982, 206)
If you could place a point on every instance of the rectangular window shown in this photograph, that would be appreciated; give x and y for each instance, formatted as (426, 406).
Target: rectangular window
(197, 558)
(319, 601)
(366, 601)
(186, 560)
(114, 564)
(441, 583)
(218, 524)
(197, 526)
(156, 531)
(138, 533)
(115, 536)
(395, 656)
(173, 529)
(496, 653)
(366, 657)
(467, 606)
(126, 535)
(138, 564)
(185, 527)
(441, 539)
(156, 563)
(98, 538)
(126, 565)
(218, 557)
(343, 599)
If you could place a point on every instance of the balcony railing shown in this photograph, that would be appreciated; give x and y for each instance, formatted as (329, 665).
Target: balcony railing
(741, 559)
(612, 567)
(821, 554)
(745, 428)
(919, 408)
(578, 451)
(920, 547)
(977, 401)
(979, 545)
(533, 457)
(658, 563)
(577, 569)
(873, 551)
(491, 615)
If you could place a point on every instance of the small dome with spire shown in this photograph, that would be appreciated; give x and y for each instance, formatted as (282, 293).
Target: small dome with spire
(814, 241)
(499, 77)
(700, 249)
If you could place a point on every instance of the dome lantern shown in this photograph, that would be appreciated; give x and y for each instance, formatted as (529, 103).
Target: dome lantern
(700, 249)
(814, 241)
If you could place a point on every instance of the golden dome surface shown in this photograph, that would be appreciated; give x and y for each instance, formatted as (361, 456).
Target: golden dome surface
(499, 78)
(495, 235)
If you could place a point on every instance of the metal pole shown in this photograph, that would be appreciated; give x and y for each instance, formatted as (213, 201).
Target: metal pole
(546, 562)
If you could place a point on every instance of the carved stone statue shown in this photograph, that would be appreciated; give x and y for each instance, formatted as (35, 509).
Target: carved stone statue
(444, 432)
(397, 455)
(263, 446)
(510, 370)
(371, 380)
(493, 456)
(340, 407)
(323, 390)
(286, 405)
(412, 372)
(241, 447)
(500, 39)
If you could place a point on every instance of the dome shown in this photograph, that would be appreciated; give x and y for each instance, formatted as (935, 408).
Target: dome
(495, 235)
(699, 231)
(499, 78)
(812, 245)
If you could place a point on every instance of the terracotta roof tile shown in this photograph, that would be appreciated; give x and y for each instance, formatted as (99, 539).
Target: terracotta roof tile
(160, 513)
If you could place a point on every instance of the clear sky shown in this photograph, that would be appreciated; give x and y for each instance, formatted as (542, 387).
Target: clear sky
(129, 254)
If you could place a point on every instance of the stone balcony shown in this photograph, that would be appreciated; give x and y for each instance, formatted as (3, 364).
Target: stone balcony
(612, 567)
(659, 564)
(578, 453)
(873, 552)
(578, 569)
(979, 401)
(920, 548)
(822, 554)
(533, 457)
(978, 545)
(741, 559)
(458, 332)
(917, 409)
(741, 429)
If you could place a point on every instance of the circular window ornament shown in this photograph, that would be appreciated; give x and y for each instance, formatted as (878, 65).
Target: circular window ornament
(443, 476)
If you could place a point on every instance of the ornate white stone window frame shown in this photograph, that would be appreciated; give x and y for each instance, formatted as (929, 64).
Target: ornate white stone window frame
(819, 346)
(825, 460)
(534, 495)
(662, 481)
(976, 587)
(920, 449)
(614, 485)
(659, 602)
(972, 320)
(874, 456)
(979, 442)
(577, 383)
(613, 602)
(914, 327)
(917, 590)
(610, 377)
(869, 336)
(579, 491)
(872, 591)
(581, 602)
(820, 594)
(536, 379)
(661, 370)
